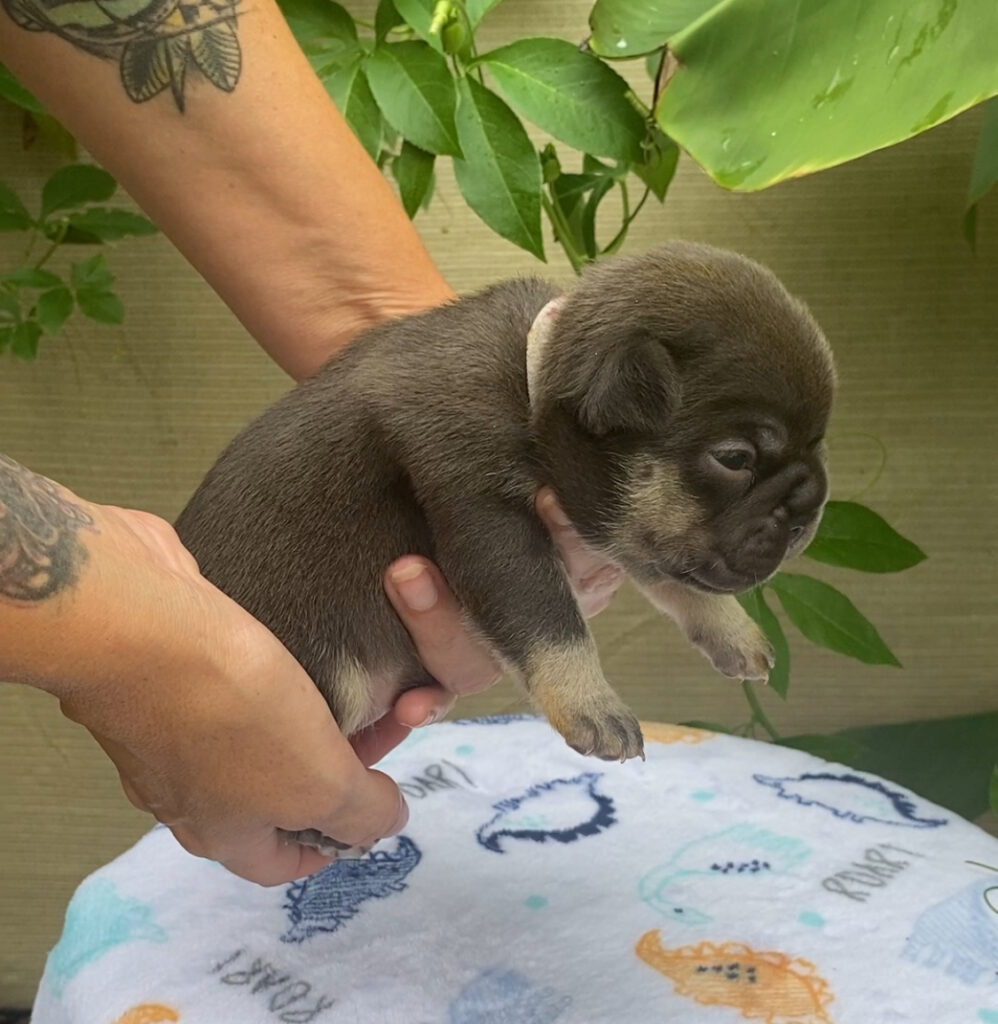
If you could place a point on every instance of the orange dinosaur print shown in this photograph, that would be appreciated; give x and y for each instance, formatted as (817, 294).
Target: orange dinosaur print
(663, 732)
(763, 986)
(148, 1013)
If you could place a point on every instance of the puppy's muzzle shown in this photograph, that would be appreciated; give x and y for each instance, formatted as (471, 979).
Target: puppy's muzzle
(780, 521)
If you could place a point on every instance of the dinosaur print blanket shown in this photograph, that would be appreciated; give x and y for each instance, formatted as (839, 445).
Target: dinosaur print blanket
(722, 880)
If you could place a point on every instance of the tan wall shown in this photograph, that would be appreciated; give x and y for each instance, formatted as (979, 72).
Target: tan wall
(135, 415)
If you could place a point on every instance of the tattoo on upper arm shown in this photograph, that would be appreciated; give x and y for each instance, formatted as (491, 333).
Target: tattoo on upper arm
(157, 44)
(40, 554)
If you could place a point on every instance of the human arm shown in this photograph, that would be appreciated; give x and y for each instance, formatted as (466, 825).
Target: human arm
(263, 187)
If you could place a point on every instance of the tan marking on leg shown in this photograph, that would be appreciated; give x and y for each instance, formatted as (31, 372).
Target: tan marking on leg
(352, 698)
(568, 685)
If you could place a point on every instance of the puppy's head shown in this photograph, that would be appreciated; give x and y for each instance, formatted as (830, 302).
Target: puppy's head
(681, 403)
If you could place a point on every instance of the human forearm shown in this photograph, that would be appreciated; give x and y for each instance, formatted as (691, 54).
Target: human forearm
(263, 188)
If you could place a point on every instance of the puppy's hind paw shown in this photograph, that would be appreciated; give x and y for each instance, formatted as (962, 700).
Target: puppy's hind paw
(608, 732)
(327, 846)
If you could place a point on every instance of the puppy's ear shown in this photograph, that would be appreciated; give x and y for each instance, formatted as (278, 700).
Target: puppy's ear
(627, 384)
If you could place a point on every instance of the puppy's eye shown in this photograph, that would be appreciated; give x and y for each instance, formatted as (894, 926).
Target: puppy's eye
(734, 459)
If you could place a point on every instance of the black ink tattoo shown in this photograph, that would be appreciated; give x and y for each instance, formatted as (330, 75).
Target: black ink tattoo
(40, 554)
(155, 43)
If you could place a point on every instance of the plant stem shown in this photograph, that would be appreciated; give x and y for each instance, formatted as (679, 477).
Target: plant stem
(563, 234)
(629, 216)
(757, 713)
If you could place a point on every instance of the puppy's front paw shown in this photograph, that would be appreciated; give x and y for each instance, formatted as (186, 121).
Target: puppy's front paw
(325, 845)
(738, 650)
(603, 728)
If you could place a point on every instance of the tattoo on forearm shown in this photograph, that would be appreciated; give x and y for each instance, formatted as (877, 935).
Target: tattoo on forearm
(40, 553)
(157, 44)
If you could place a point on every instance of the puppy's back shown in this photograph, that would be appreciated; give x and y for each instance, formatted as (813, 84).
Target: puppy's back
(303, 512)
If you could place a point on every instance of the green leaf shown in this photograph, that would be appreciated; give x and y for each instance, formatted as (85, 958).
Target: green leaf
(415, 90)
(13, 213)
(108, 225)
(386, 18)
(418, 16)
(630, 28)
(766, 91)
(92, 273)
(571, 94)
(24, 339)
(993, 792)
(657, 169)
(75, 185)
(32, 277)
(351, 93)
(829, 619)
(413, 170)
(754, 602)
(984, 173)
(587, 220)
(500, 173)
(854, 536)
(320, 25)
(103, 306)
(948, 761)
(53, 309)
(13, 92)
(6, 334)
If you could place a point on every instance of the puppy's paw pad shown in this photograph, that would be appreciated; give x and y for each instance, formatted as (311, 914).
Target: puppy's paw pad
(611, 733)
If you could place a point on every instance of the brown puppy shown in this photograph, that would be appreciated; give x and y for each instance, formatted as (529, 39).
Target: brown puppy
(677, 405)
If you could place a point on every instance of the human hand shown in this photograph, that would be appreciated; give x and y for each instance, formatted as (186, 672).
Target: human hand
(461, 663)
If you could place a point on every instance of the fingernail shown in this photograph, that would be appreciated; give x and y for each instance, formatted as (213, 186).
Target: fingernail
(428, 720)
(553, 509)
(415, 587)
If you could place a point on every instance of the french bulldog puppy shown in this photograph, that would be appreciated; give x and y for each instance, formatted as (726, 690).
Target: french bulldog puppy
(676, 404)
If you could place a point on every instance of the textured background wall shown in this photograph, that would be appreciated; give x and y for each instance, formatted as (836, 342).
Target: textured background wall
(135, 415)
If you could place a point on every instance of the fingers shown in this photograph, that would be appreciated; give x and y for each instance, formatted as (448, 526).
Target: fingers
(458, 661)
(594, 580)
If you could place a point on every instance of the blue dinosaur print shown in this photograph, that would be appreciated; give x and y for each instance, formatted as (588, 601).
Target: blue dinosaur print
(497, 719)
(328, 899)
(98, 918)
(742, 851)
(958, 936)
(852, 798)
(506, 997)
(562, 810)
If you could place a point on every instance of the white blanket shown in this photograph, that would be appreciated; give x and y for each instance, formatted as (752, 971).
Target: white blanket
(721, 880)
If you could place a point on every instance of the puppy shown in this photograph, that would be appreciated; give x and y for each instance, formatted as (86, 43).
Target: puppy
(675, 402)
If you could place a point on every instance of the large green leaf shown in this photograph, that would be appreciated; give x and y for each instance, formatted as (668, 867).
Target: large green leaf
(351, 93)
(75, 185)
(413, 170)
(828, 618)
(658, 167)
(854, 536)
(500, 172)
(948, 761)
(765, 91)
(754, 602)
(103, 306)
(418, 16)
(32, 277)
(320, 25)
(571, 94)
(629, 28)
(984, 173)
(416, 93)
